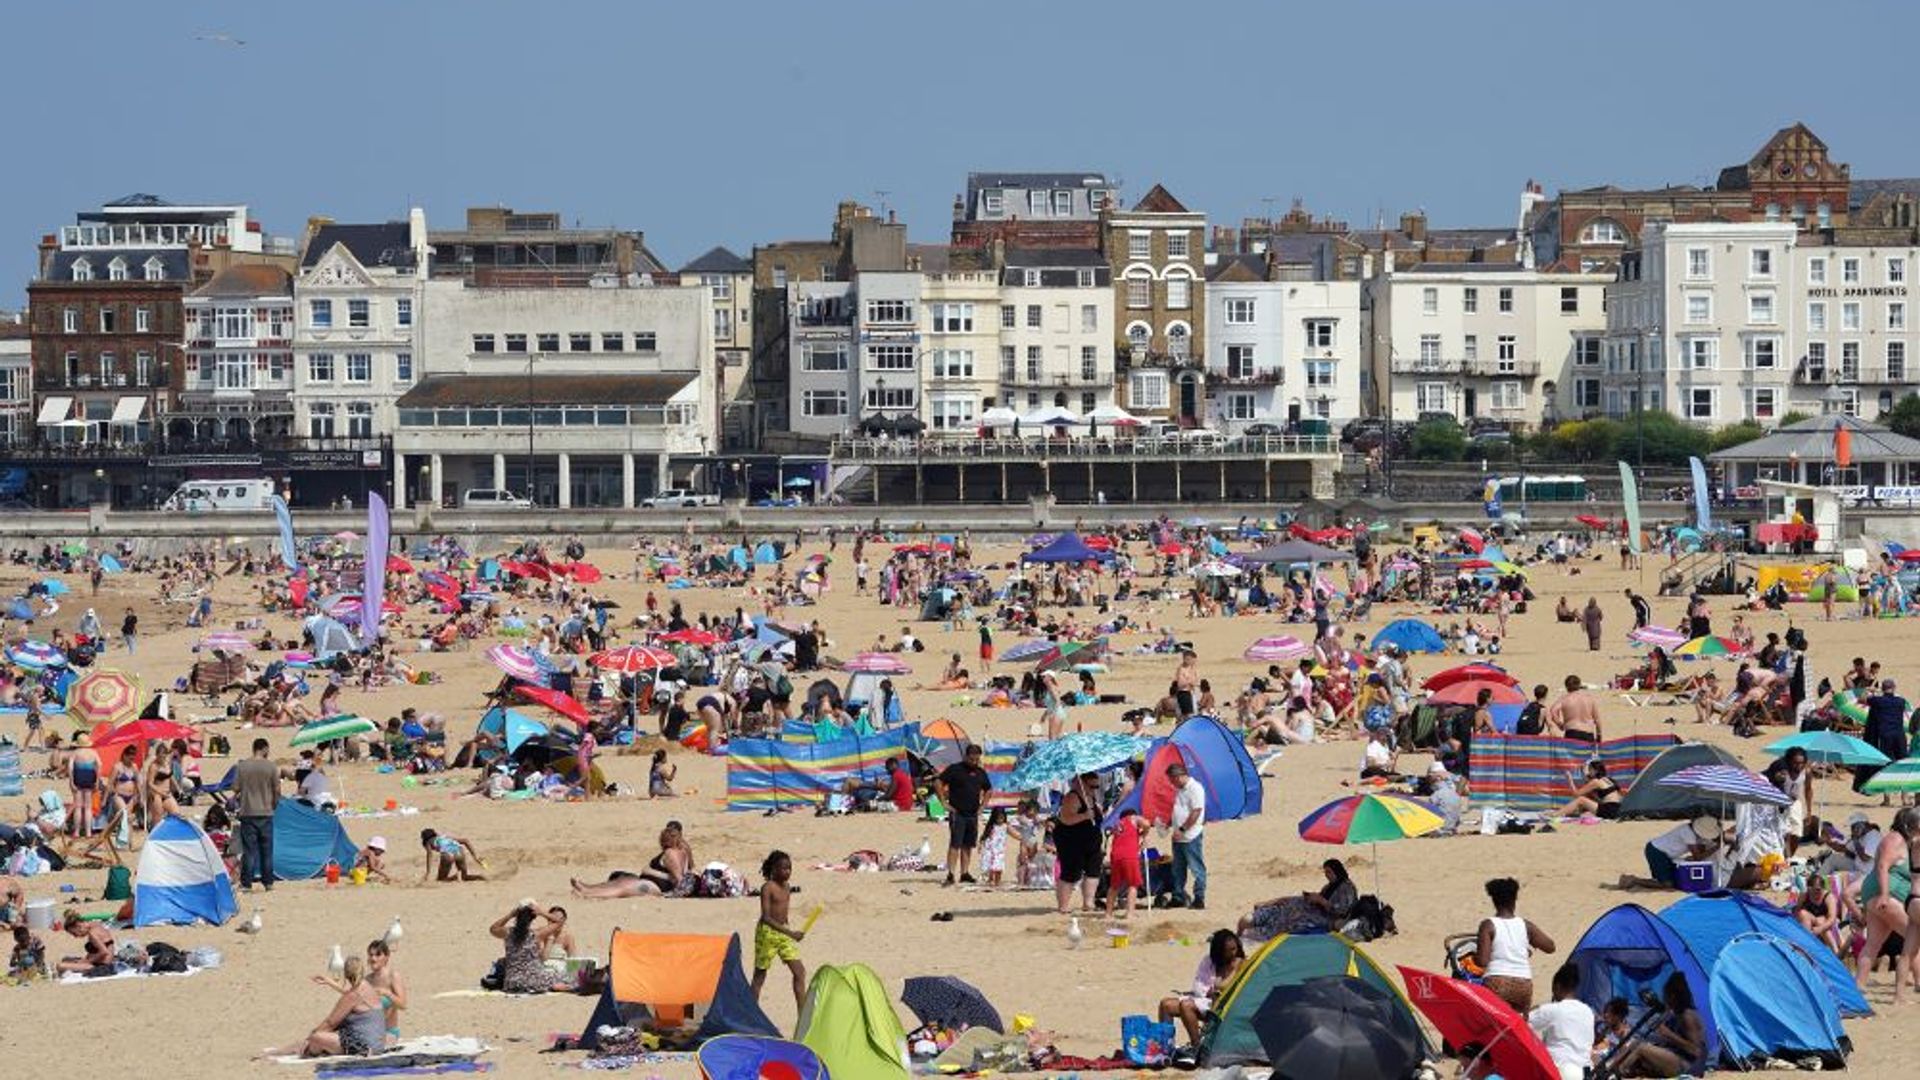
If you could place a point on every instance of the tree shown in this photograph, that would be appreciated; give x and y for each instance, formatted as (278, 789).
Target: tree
(1583, 440)
(1662, 438)
(1904, 417)
(1734, 434)
(1438, 440)
(1789, 419)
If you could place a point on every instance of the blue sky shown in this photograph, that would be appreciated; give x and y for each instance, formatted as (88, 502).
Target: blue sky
(707, 123)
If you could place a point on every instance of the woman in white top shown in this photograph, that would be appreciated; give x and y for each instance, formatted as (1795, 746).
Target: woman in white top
(1224, 954)
(1505, 949)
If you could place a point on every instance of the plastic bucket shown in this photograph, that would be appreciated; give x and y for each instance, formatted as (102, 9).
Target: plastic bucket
(39, 914)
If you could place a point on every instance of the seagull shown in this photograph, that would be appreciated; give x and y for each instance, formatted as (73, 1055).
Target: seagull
(252, 925)
(219, 39)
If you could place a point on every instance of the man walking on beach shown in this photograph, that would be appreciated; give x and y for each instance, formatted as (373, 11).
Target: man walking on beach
(256, 781)
(963, 786)
(1642, 611)
(1189, 822)
(1576, 715)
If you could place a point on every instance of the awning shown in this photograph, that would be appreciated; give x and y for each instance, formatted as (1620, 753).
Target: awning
(55, 409)
(128, 410)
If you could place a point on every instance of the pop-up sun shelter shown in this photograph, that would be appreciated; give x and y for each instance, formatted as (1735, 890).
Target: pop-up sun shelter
(1288, 960)
(1214, 756)
(751, 1057)
(1065, 548)
(1708, 922)
(1629, 950)
(661, 976)
(182, 879)
(305, 840)
(849, 1021)
(1648, 798)
(1767, 1002)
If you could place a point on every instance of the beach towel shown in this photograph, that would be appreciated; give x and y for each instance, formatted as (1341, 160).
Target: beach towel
(417, 1051)
(74, 978)
(1529, 772)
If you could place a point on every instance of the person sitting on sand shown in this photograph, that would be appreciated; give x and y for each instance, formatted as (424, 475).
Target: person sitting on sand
(670, 873)
(373, 859)
(453, 854)
(99, 946)
(1678, 1045)
(660, 776)
(1308, 912)
(356, 1025)
(1224, 956)
(1597, 794)
(383, 978)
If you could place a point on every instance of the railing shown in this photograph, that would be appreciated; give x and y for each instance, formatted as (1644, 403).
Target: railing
(829, 318)
(1080, 447)
(1842, 374)
(85, 380)
(1023, 379)
(1127, 357)
(1461, 366)
(1260, 377)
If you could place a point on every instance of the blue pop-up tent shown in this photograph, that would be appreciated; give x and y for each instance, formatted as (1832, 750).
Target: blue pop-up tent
(1411, 635)
(1214, 756)
(1709, 921)
(305, 840)
(1065, 548)
(511, 726)
(1767, 1003)
(1630, 949)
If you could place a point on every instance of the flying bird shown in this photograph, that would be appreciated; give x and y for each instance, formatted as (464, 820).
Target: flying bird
(219, 39)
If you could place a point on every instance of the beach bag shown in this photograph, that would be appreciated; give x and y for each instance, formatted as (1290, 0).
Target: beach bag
(1146, 1042)
(164, 959)
(119, 884)
(1369, 920)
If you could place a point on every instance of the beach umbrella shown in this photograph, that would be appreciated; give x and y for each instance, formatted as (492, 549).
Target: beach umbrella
(1369, 819)
(1466, 1013)
(1593, 522)
(693, 635)
(1706, 648)
(1658, 636)
(517, 661)
(1848, 703)
(106, 696)
(398, 565)
(1728, 783)
(225, 641)
(1062, 655)
(345, 535)
(1276, 648)
(875, 663)
(1070, 755)
(950, 1002)
(1027, 650)
(632, 659)
(1333, 1027)
(585, 573)
(1468, 693)
(1830, 748)
(1474, 541)
(1476, 672)
(55, 587)
(565, 704)
(1216, 569)
(36, 655)
(1900, 778)
(1476, 564)
(328, 728)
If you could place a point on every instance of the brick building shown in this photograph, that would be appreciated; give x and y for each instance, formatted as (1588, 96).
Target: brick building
(1157, 254)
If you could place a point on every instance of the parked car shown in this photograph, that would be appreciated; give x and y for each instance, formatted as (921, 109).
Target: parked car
(1261, 429)
(494, 499)
(681, 497)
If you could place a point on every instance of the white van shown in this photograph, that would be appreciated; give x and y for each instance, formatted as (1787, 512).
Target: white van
(494, 499)
(221, 497)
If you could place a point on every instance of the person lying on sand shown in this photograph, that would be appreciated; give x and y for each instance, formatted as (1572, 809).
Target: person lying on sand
(670, 873)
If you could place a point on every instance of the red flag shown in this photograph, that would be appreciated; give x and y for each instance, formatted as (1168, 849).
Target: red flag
(1842, 447)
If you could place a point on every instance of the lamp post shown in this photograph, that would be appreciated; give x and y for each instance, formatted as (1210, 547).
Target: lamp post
(100, 489)
(530, 484)
(426, 481)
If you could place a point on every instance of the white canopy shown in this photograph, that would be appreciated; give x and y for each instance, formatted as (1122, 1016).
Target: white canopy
(129, 409)
(1051, 416)
(55, 409)
(1112, 414)
(999, 416)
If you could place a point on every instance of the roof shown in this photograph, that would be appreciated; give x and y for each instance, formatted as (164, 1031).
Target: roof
(1044, 180)
(139, 198)
(386, 244)
(1056, 257)
(1812, 441)
(930, 258)
(718, 261)
(1862, 192)
(173, 263)
(248, 279)
(449, 391)
(1158, 200)
(1238, 267)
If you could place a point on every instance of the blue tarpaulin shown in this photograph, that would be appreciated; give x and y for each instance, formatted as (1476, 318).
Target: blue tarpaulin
(1411, 635)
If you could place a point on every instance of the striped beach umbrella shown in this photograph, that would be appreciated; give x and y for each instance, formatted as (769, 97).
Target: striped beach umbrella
(1658, 636)
(105, 696)
(330, 728)
(1900, 778)
(1475, 672)
(877, 663)
(1369, 819)
(1707, 648)
(519, 662)
(1728, 783)
(225, 641)
(1276, 648)
(1468, 693)
(1027, 650)
(36, 654)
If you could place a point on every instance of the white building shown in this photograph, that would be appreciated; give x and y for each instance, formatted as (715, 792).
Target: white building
(578, 396)
(886, 327)
(356, 343)
(1495, 341)
(1056, 330)
(960, 316)
(239, 375)
(16, 381)
(729, 281)
(1279, 351)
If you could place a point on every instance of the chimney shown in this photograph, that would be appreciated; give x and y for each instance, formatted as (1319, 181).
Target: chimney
(1414, 224)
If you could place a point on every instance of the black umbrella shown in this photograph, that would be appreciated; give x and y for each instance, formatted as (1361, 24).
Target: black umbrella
(544, 750)
(1337, 1028)
(908, 424)
(943, 999)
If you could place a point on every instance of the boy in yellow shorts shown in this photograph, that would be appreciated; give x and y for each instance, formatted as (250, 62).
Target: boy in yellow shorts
(773, 938)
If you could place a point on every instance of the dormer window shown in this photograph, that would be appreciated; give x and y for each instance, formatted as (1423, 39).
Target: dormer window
(117, 269)
(1603, 231)
(155, 269)
(82, 270)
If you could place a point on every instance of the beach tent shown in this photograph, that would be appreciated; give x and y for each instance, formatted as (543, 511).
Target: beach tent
(753, 1057)
(662, 976)
(1287, 960)
(182, 879)
(765, 555)
(511, 726)
(330, 636)
(849, 1021)
(1214, 756)
(1630, 949)
(1710, 921)
(305, 840)
(739, 556)
(1648, 798)
(1767, 1002)
(862, 687)
(1411, 635)
(1065, 548)
(940, 743)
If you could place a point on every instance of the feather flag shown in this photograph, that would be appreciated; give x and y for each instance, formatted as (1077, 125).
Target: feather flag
(284, 516)
(1842, 447)
(1630, 494)
(374, 592)
(1702, 503)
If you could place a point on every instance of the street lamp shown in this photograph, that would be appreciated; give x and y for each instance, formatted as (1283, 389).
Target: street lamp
(426, 473)
(100, 487)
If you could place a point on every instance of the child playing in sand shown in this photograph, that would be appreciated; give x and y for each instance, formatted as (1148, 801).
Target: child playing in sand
(773, 938)
(1124, 874)
(452, 852)
(993, 847)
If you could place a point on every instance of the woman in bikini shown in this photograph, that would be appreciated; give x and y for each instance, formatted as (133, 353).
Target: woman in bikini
(125, 793)
(670, 873)
(162, 798)
(1598, 794)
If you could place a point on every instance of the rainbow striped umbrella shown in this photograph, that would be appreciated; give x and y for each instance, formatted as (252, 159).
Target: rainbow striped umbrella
(1369, 819)
(1279, 647)
(1706, 648)
(1729, 782)
(1657, 636)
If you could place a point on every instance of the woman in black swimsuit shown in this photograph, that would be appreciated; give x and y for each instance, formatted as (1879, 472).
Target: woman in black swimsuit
(1599, 795)
(1076, 838)
(669, 873)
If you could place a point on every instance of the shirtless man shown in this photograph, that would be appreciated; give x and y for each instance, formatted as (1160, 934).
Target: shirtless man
(1576, 714)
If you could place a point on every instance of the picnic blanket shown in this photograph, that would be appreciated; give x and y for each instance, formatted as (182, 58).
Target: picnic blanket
(1529, 772)
(74, 978)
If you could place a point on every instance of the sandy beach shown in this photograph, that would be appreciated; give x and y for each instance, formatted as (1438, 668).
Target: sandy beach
(1010, 944)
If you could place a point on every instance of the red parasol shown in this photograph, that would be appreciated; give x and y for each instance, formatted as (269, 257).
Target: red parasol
(1476, 564)
(1468, 693)
(564, 704)
(1468, 1013)
(1466, 672)
(398, 565)
(692, 635)
(630, 659)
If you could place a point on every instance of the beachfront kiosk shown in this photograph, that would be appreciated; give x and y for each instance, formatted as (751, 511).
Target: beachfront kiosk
(1858, 461)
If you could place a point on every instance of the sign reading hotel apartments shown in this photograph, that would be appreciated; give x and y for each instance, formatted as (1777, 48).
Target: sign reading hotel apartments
(1857, 292)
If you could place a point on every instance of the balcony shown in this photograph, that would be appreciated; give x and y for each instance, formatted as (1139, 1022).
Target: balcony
(1477, 367)
(1037, 380)
(814, 317)
(1256, 377)
(1850, 374)
(1127, 357)
(84, 380)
